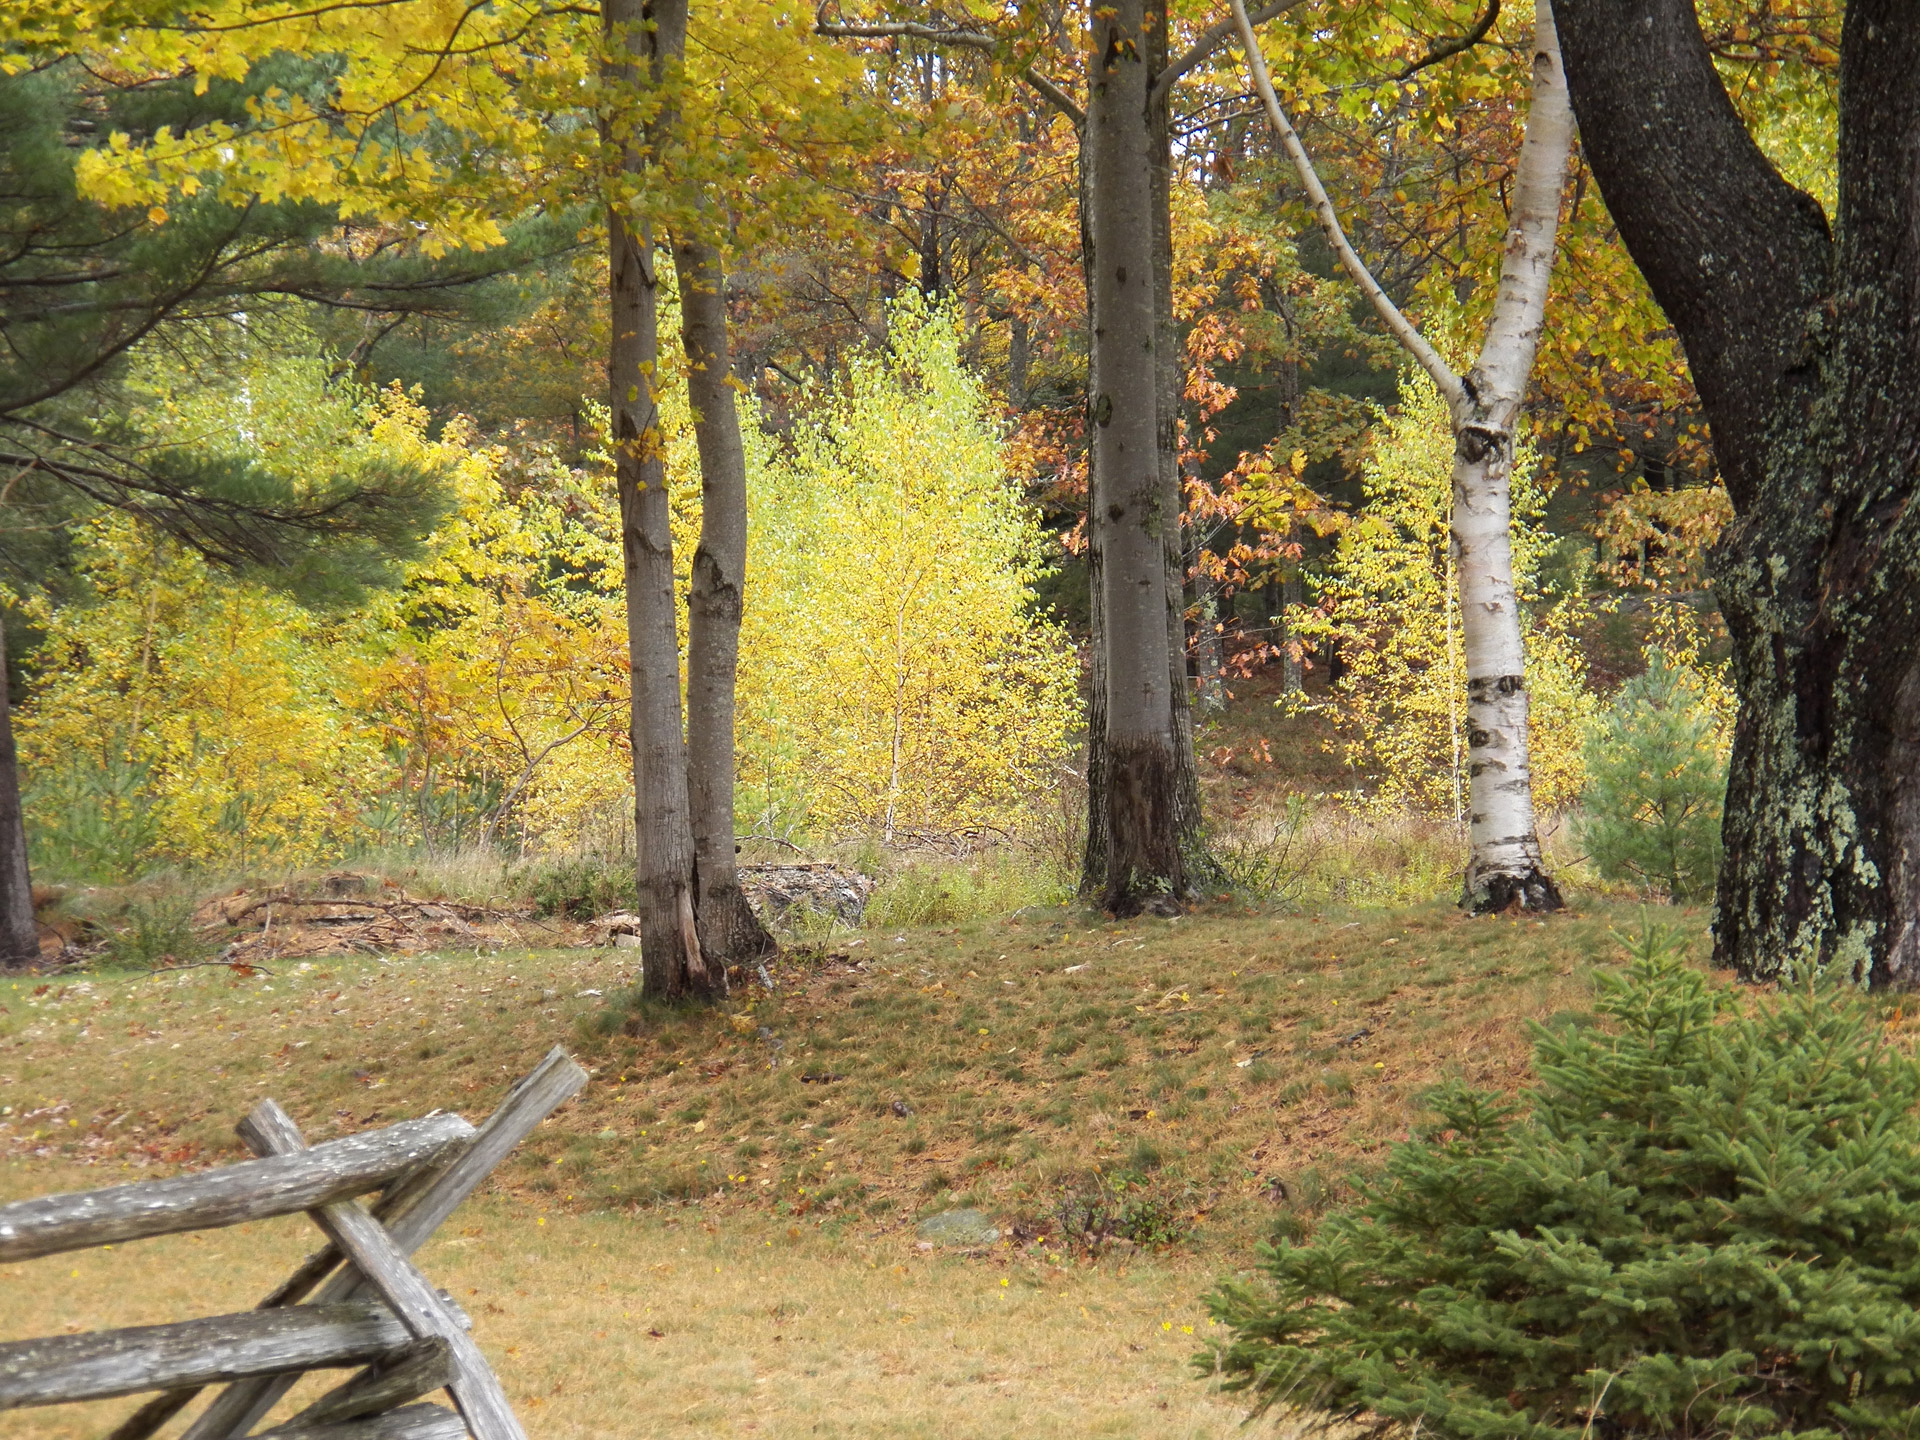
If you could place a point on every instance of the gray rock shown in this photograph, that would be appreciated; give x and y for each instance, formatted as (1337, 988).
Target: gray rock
(820, 886)
(958, 1227)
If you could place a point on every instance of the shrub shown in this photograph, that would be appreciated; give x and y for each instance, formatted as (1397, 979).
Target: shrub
(157, 932)
(1657, 776)
(992, 884)
(1700, 1223)
(579, 888)
(1103, 1208)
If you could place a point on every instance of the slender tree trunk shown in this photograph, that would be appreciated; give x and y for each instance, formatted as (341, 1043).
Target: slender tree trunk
(19, 934)
(1171, 373)
(1093, 866)
(1292, 670)
(1210, 685)
(1019, 357)
(1806, 353)
(1128, 506)
(730, 933)
(672, 962)
(1504, 868)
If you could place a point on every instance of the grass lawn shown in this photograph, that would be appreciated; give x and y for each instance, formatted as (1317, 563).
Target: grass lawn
(747, 1182)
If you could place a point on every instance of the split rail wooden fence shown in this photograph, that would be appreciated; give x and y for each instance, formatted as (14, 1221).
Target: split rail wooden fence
(357, 1303)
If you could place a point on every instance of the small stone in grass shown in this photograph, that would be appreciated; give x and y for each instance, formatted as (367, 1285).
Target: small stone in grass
(958, 1227)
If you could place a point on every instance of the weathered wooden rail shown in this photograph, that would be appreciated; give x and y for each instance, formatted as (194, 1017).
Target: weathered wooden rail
(371, 1308)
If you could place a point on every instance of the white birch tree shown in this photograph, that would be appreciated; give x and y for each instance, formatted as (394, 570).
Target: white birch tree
(1504, 866)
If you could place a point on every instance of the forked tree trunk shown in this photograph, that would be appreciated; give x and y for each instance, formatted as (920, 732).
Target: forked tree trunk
(1127, 504)
(1806, 354)
(1504, 867)
(643, 37)
(730, 933)
(19, 934)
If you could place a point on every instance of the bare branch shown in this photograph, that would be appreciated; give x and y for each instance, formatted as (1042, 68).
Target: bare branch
(967, 39)
(1448, 49)
(1401, 328)
(1059, 98)
(1210, 40)
(912, 29)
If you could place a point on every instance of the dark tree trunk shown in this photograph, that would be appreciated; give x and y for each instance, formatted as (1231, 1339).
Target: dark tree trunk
(1171, 372)
(1128, 508)
(1093, 864)
(1806, 353)
(730, 933)
(672, 963)
(19, 935)
(1019, 357)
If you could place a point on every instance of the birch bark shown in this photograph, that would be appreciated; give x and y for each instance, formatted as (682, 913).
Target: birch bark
(1504, 867)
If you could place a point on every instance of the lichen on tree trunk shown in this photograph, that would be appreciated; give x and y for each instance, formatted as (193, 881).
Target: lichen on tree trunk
(1822, 823)
(1805, 347)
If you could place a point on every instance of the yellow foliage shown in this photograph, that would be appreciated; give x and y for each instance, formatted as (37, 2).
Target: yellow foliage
(893, 675)
(214, 689)
(1389, 600)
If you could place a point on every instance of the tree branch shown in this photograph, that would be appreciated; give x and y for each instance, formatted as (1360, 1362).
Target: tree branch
(1736, 256)
(967, 39)
(1450, 48)
(1059, 98)
(1401, 328)
(971, 39)
(1526, 259)
(1211, 39)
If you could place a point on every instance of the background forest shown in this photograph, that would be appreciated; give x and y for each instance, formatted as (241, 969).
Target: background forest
(1060, 640)
(909, 341)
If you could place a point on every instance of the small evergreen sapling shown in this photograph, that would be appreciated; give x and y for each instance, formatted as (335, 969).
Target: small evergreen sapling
(1656, 777)
(1702, 1222)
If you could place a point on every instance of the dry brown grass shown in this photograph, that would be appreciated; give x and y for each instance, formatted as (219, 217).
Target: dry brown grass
(742, 1181)
(1205, 1058)
(765, 1330)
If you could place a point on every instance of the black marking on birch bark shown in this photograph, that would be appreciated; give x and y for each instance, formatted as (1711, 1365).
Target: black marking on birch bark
(1481, 689)
(1532, 893)
(1476, 442)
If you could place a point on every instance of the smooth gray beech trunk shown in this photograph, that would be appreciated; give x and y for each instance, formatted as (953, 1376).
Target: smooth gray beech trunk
(730, 933)
(645, 38)
(19, 934)
(1504, 866)
(1804, 342)
(1129, 517)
